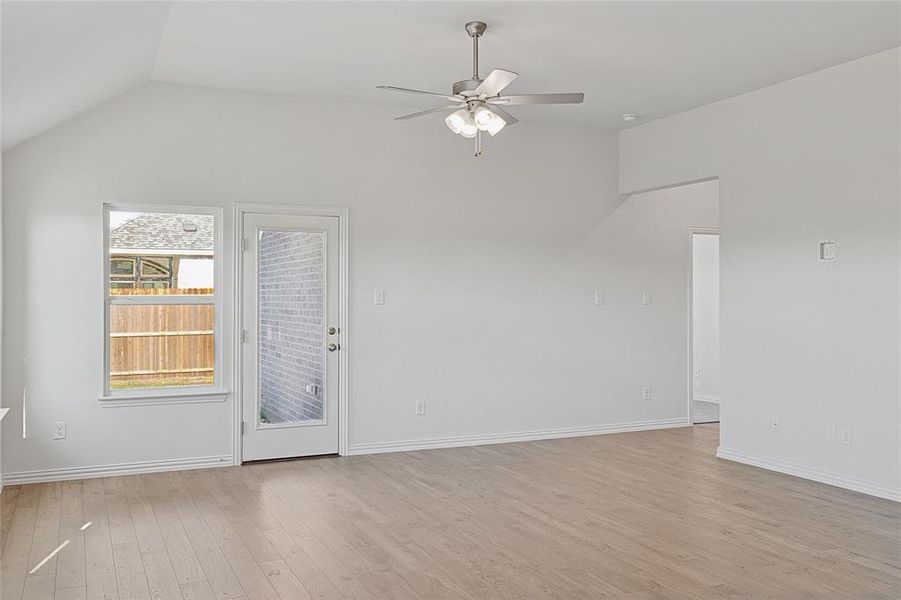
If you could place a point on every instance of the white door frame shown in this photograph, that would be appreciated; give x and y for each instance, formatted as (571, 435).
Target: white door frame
(242, 209)
(692, 231)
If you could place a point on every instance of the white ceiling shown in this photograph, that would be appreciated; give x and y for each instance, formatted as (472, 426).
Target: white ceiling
(62, 58)
(653, 58)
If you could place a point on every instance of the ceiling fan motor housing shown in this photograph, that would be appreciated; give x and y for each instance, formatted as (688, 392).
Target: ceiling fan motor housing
(466, 87)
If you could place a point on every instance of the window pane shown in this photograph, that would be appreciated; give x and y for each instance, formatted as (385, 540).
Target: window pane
(122, 266)
(161, 345)
(160, 243)
(291, 327)
(156, 266)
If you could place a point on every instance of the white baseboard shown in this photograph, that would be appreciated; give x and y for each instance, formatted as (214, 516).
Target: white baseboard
(505, 438)
(856, 485)
(705, 398)
(151, 466)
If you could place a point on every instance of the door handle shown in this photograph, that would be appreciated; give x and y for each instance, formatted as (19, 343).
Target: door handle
(333, 347)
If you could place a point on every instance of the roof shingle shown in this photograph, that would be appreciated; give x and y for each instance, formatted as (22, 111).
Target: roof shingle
(164, 231)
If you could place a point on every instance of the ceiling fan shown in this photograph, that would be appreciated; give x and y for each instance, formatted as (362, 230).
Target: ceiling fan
(477, 102)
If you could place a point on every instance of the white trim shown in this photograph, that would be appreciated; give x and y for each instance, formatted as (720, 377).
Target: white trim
(133, 468)
(110, 396)
(692, 231)
(848, 483)
(3, 412)
(151, 398)
(343, 215)
(506, 438)
(128, 252)
(706, 398)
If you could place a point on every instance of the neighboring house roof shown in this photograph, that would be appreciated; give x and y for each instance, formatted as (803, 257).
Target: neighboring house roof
(163, 233)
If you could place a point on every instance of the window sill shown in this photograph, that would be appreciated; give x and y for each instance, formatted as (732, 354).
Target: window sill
(161, 397)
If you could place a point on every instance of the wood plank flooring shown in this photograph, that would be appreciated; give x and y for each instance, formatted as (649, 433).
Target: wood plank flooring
(635, 515)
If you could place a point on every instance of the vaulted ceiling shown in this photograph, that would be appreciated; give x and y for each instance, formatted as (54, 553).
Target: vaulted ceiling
(653, 58)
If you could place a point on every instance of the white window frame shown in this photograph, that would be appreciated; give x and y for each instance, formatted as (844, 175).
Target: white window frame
(215, 392)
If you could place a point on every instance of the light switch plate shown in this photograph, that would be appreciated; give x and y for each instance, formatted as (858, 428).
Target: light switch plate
(846, 436)
(827, 250)
(646, 298)
(379, 297)
(599, 298)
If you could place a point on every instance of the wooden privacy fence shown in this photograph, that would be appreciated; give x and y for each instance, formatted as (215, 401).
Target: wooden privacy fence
(153, 345)
(161, 292)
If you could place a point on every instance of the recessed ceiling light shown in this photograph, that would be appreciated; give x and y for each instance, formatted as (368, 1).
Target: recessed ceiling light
(629, 117)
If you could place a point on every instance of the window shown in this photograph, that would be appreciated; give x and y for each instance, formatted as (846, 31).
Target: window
(161, 320)
(143, 271)
(122, 267)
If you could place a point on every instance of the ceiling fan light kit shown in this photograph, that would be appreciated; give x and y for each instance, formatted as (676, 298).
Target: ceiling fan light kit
(475, 101)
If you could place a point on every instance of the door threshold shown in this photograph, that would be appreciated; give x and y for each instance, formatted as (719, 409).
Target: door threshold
(288, 458)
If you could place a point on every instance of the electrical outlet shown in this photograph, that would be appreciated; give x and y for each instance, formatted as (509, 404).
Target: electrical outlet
(646, 298)
(646, 392)
(830, 432)
(59, 430)
(846, 436)
(697, 372)
(776, 425)
(599, 298)
(420, 407)
(379, 297)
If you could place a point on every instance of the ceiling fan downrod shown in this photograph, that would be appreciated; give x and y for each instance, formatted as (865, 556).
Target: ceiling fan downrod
(475, 29)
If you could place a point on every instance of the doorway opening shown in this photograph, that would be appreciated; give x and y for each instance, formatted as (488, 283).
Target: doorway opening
(704, 306)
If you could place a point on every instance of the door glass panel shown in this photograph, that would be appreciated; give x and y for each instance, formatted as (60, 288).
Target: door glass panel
(291, 305)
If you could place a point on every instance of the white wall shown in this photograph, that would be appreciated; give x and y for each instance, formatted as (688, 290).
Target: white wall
(195, 273)
(807, 342)
(705, 313)
(490, 268)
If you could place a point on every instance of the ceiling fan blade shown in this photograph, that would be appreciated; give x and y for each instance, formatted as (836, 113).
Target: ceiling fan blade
(510, 119)
(429, 111)
(410, 91)
(496, 80)
(572, 98)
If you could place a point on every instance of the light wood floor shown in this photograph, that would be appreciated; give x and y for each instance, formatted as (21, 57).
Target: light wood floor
(634, 515)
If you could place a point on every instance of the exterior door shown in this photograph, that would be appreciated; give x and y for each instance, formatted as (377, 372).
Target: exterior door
(290, 336)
